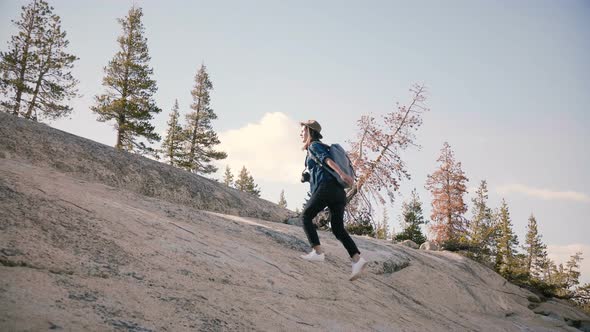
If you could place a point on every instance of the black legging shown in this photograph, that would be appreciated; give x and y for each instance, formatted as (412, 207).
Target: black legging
(332, 195)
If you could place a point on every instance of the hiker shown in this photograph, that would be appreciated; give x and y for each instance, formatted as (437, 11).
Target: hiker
(325, 191)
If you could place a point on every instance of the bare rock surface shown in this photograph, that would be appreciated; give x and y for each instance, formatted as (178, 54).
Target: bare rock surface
(85, 255)
(43, 146)
(429, 246)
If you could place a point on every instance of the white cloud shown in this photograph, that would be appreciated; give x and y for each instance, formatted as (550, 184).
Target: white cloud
(270, 149)
(545, 194)
(561, 254)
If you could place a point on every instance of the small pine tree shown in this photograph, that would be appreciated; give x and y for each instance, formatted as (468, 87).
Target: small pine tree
(201, 138)
(481, 230)
(172, 145)
(535, 250)
(382, 229)
(507, 243)
(282, 200)
(245, 182)
(412, 219)
(572, 270)
(130, 89)
(228, 177)
(559, 280)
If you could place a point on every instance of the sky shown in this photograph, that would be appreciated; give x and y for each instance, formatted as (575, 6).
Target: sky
(507, 86)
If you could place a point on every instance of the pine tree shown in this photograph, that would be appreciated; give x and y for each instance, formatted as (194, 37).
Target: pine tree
(228, 177)
(36, 70)
(482, 229)
(447, 185)
(572, 270)
(559, 281)
(200, 134)
(245, 182)
(412, 219)
(545, 269)
(282, 200)
(382, 227)
(130, 89)
(535, 250)
(16, 66)
(555, 275)
(507, 243)
(53, 79)
(172, 146)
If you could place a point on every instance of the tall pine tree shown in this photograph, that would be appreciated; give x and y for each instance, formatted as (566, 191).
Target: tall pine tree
(16, 67)
(35, 73)
(447, 186)
(172, 146)
(201, 138)
(245, 182)
(535, 250)
(130, 88)
(481, 227)
(412, 219)
(507, 243)
(53, 80)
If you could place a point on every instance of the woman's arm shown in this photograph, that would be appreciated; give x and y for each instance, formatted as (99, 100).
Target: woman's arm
(348, 179)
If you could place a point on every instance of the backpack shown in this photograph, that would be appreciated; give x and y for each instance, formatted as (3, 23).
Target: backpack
(339, 156)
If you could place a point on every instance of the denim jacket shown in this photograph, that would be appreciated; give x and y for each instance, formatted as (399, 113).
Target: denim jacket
(318, 174)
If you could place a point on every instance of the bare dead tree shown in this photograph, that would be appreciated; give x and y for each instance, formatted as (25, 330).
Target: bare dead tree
(376, 153)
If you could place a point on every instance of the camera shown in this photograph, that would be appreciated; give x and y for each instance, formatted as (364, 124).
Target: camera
(305, 177)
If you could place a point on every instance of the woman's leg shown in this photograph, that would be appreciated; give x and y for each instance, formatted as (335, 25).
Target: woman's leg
(315, 204)
(337, 222)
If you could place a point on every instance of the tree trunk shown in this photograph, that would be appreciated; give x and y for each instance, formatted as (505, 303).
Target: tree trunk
(20, 84)
(120, 131)
(194, 137)
(33, 101)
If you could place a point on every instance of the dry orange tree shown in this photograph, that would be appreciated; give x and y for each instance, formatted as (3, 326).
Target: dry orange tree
(447, 186)
(376, 153)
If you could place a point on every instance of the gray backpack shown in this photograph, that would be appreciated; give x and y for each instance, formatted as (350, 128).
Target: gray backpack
(339, 156)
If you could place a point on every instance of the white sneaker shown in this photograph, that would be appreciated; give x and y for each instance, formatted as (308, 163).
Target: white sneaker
(358, 268)
(314, 257)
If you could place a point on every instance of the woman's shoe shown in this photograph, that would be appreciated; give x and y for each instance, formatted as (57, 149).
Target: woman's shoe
(358, 268)
(314, 257)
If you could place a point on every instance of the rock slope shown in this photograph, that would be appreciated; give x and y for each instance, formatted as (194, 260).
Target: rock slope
(93, 252)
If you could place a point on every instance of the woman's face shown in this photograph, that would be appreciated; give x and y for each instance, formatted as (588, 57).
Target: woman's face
(304, 134)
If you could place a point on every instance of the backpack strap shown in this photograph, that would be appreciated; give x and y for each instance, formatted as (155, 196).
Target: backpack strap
(316, 159)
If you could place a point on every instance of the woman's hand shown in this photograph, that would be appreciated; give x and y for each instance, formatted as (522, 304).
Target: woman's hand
(348, 179)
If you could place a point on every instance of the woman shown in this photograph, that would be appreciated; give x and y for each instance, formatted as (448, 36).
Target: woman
(325, 191)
